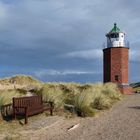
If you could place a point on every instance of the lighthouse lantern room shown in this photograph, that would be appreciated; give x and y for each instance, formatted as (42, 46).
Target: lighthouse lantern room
(115, 38)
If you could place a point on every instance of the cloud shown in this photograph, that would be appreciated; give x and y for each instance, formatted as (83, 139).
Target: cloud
(63, 35)
(134, 56)
(135, 50)
(86, 54)
(2, 11)
(67, 75)
(41, 73)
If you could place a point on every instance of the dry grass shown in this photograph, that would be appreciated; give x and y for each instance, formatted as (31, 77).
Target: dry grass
(18, 82)
(85, 98)
(53, 93)
(6, 96)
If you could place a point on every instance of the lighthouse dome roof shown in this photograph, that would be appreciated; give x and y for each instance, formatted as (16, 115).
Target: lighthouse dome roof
(115, 29)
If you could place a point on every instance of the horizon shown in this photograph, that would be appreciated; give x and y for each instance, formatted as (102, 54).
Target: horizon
(61, 41)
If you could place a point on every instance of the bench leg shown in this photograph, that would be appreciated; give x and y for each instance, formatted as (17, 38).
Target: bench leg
(26, 116)
(51, 112)
(51, 108)
(14, 113)
(26, 119)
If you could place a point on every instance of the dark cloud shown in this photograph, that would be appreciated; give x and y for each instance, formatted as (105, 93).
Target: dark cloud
(43, 36)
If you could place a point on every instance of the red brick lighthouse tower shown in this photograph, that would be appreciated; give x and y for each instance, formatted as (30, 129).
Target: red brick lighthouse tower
(115, 58)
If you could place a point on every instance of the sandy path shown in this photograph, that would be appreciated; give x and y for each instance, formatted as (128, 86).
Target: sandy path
(122, 122)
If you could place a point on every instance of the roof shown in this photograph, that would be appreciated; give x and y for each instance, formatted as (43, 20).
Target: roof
(115, 29)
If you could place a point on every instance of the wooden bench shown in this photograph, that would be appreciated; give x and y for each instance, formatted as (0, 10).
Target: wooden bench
(28, 106)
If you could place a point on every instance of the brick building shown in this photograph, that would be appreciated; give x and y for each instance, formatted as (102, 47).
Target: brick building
(116, 60)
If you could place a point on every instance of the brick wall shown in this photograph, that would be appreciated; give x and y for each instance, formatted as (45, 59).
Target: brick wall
(107, 65)
(116, 65)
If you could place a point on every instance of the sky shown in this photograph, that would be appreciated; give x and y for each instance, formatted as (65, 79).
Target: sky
(62, 40)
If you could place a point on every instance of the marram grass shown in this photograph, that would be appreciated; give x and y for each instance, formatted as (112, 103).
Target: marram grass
(85, 98)
(53, 93)
(7, 95)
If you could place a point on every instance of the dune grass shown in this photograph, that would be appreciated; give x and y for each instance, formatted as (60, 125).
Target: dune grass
(20, 80)
(53, 93)
(7, 95)
(85, 98)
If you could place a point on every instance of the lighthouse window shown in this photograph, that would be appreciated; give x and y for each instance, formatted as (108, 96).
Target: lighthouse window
(116, 77)
(116, 35)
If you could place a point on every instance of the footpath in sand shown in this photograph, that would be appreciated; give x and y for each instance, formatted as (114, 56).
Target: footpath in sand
(122, 122)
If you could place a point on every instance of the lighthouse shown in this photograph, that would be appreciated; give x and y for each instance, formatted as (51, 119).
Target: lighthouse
(116, 60)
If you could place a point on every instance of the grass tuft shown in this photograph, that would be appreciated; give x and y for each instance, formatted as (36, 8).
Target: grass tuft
(7, 95)
(53, 93)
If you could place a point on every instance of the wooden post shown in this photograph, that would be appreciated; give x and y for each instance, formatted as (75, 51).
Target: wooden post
(14, 109)
(51, 108)
(26, 115)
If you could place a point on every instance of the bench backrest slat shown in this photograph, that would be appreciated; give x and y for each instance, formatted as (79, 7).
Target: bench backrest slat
(30, 101)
